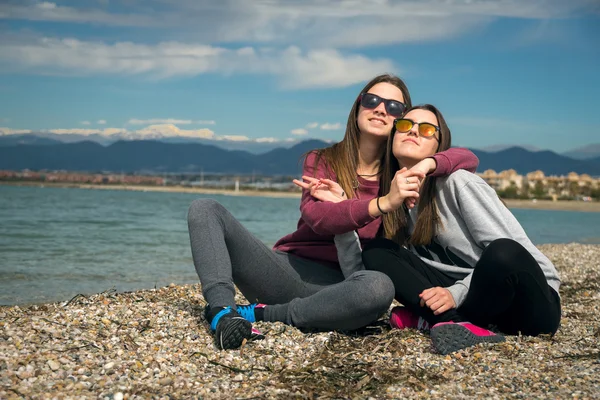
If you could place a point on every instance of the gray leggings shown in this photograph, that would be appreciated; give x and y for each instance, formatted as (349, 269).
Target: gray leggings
(299, 292)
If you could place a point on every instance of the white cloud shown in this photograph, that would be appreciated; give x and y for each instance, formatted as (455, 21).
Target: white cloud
(234, 138)
(299, 131)
(10, 131)
(267, 140)
(170, 130)
(101, 122)
(49, 11)
(135, 121)
(86, 123)
(331, 127)
(149, 132)
(309, 22)
(46, 6)
(87, 132)
(294, 68)
(312, 125)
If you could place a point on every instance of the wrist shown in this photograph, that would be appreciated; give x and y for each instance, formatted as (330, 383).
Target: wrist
(385, 206)
(432, 165)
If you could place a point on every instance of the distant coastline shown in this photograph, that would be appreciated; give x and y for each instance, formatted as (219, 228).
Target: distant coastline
(564, 205)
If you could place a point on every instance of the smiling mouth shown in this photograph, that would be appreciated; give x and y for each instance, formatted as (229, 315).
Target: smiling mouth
(382, 122)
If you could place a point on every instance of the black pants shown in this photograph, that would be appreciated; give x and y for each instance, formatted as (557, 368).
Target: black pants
(508, 288)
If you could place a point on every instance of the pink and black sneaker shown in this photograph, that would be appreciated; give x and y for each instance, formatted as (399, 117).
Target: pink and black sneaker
(401, 318)
(448, 337)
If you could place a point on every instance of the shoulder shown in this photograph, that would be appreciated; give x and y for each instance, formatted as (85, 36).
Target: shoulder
(462, 178)
(464, 183)
(315, 164)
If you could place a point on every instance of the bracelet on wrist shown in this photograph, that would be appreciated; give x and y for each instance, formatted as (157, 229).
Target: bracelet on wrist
(378, 207)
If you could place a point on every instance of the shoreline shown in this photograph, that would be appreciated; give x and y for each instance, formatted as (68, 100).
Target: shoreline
(561, 205)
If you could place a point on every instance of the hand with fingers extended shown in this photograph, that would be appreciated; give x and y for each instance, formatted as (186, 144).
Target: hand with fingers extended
(322, 189)
(438, 299)
(405, 185)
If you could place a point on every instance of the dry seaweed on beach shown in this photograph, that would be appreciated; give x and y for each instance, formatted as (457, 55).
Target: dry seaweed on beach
(155, 344)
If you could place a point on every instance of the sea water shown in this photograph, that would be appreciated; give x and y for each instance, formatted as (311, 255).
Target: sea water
(59, 242)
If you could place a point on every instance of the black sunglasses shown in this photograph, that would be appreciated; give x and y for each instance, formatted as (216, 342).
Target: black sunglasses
(393, 107)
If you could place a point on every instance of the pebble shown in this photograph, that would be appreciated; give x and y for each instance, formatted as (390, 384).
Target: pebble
(53, 365)
(156, 344)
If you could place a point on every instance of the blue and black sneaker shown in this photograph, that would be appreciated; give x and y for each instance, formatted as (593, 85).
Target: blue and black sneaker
(230, 327)
(252, 312)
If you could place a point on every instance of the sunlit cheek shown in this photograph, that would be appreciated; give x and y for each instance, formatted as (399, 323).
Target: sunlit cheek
(403, 149)
(431, 147)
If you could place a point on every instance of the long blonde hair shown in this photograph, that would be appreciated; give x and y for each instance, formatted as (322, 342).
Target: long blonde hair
(342, 157)
(395, 224)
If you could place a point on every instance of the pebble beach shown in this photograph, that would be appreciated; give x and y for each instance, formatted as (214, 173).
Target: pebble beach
(156, 344)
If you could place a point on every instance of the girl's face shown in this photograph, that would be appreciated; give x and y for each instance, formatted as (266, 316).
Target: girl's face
(377, 121)
(410, 147)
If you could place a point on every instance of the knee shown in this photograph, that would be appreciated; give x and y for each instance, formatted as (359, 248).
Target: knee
(505, 251)
(374, 250)
(380, 254)
(375, 292)
(506, 256)
(200, 209)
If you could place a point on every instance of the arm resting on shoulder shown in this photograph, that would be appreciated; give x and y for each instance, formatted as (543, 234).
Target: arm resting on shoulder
(454, 159)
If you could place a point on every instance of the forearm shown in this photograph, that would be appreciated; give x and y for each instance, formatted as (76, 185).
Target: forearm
(328, 218)
(452, 160)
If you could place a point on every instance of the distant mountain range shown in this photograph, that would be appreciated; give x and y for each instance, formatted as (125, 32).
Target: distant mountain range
(46, 138)
(155, 156)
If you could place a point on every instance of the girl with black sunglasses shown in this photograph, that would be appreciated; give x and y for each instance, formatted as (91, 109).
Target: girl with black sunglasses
(299, 281)
(460, 261)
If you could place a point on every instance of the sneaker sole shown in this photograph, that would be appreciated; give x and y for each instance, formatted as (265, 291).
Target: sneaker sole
(453, 337)
(232, 334)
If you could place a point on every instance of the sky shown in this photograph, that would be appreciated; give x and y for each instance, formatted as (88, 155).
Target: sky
(522, 72)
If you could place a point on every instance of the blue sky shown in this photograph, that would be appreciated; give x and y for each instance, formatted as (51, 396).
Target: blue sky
(502, 72)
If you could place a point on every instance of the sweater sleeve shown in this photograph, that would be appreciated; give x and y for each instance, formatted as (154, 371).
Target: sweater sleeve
(487, 219)
(454, 159)
(349, 253)
(327, 218)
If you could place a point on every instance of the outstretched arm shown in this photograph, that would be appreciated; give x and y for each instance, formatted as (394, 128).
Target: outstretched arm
(326, 217)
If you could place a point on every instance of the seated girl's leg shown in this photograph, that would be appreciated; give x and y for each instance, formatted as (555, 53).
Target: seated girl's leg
(225, 253)
(222, 248)
(509, 289)
(351, 304)
(410, 276)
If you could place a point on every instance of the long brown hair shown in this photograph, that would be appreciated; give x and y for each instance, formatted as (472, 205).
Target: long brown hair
(395, 225)
(342, 157)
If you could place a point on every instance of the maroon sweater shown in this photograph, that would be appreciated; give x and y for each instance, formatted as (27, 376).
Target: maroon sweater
(320, 221)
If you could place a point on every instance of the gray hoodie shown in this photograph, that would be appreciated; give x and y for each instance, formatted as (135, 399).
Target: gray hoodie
(472, 216)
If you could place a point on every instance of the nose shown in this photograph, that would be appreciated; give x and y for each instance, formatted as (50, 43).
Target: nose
(414, 130)
(380, 109)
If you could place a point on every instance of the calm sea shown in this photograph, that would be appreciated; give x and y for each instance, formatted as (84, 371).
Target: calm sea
(58, 242)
